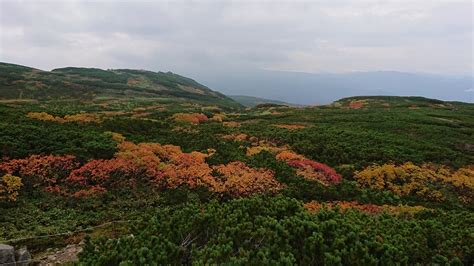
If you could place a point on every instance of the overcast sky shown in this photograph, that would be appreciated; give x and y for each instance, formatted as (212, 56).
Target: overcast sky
(187, 37)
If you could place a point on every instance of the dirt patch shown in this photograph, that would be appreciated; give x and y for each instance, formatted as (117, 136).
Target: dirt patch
(61, 256)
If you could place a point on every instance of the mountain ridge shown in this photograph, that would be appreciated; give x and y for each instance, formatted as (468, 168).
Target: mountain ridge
(22, 82)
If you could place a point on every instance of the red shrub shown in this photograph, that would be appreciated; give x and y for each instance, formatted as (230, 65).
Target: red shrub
(101, 172)
(38, 170)
(315, 170)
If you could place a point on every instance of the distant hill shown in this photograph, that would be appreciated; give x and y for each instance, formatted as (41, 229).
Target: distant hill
(250, 101)
(20, 82)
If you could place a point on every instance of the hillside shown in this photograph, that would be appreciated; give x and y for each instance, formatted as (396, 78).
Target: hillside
(20, 82)
(364, 180)
(250, 101)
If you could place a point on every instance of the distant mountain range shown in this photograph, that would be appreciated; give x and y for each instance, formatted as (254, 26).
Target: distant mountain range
(323, 88)
(250, 101)
(20, 82)
(289, 88)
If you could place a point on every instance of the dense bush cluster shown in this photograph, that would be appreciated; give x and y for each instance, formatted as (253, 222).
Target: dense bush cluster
(162, 166)
(265, 231)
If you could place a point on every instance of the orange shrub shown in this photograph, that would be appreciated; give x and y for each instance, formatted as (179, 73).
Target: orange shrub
(110, 173)
(92, 191)
(193, 118)
(288, 156)
(189, 169)
(163, 166)
(38, 170)
(235, 137)
(357, 104)
(237, 179)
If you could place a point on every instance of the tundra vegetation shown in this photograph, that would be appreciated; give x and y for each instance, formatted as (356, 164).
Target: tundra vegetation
(365, 180)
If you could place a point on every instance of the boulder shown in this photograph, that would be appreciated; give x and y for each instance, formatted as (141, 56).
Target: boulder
(7, 255)
(23, 257)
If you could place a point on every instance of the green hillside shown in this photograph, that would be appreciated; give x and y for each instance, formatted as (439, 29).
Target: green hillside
(129, 167)
(20, 82)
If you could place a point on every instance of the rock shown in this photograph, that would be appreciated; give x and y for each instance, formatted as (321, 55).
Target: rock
(23, 257)
(7, 255)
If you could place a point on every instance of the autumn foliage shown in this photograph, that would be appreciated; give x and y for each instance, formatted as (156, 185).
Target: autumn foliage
(9, 187)
(426, 181)
(38, 170)
(240, 180)
(193, 118)
(231, 124)
(310, 169)
(218, 117)
(305, 167)
(357, 104)
(235, 137)
(81, 118)
(251, 151)
(103, 173)
(162, 166)
(290, 126)
(188, 169)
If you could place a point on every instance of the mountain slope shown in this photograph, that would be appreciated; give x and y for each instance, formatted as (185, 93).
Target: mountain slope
(20, 82)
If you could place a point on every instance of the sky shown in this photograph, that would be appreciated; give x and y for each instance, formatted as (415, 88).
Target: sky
(187, 37)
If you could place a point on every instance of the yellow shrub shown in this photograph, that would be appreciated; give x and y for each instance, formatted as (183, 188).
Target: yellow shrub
(83, 118)
(290, 126)
(43, 116)
(425, 181)
(231, 124)
(9, 187)
(218, 117)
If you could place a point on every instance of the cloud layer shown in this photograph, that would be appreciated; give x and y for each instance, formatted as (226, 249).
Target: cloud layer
(205, 36)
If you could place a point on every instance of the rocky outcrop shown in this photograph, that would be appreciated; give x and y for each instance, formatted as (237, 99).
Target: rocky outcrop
(10, 257)
(61, 256)
(23, 257)
(7, 255)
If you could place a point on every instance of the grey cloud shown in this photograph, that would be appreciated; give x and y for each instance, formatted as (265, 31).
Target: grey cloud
(197, 36)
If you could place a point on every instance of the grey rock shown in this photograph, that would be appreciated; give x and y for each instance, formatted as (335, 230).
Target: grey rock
(7, 255)
(23, 257)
